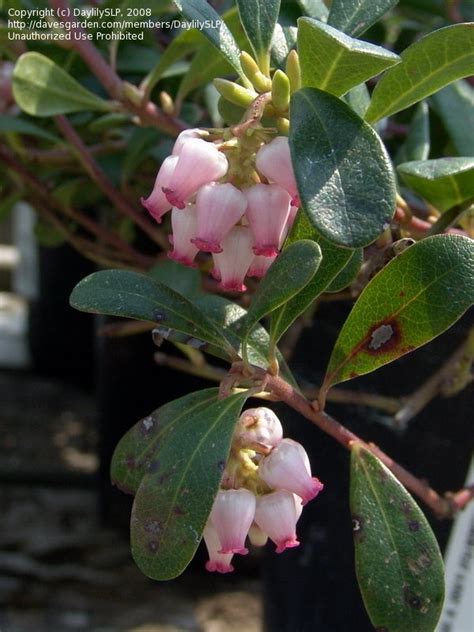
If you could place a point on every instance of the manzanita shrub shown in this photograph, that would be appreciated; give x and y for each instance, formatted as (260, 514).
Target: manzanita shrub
(300, 169)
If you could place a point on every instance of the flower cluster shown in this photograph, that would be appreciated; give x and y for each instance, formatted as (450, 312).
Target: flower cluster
(266, 482)
(242, 226)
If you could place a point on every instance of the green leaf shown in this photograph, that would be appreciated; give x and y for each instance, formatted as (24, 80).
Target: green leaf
(258, 18)
(219, 36)
(284, 40)
(186, 281)
(344, 175)
(41, 88)
(455, 105)
(134, 295)
(413, 299)
(417, 144)
(358, 98)
(398, 562)
(334, 62)
(19, 126)
(288, 275)
(444, 182)
(428, 65)
(184, 43)
(314, 9)
(232, 319)
(333, 260)
(206, 65)
(356, 16)
(177, 457)
(348, 273)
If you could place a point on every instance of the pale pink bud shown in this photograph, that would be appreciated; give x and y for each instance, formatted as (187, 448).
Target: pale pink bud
(157, 204)
(276, 515)
(184, 225)
(287, 467)
(184, 136)
(219, 562)
(256, 536)
(273, 160)
(259, 425)
(232, 263)
(199, 162)
(267, 212)
(232, 514)
(259, 266)
(219, 207)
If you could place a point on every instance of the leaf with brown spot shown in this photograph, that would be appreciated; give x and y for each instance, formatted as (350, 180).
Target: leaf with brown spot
(172, 504)
(413, 299)
(399, 568)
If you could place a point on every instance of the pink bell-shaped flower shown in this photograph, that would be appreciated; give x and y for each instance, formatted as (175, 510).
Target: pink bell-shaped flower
(277, 516)
(232, 514)
(273, 160)
(157, 203)
(219, 207)
(259, 266)
(267, 212)
(232, 263)
(184, 226)
(184, 136)
(287, 467)
(199, 162)
(258, 425)
(219, 562)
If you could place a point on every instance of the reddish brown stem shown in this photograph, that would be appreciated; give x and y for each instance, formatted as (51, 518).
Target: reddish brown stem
(443, 507)
(99, 177)
(147, 111)
(44, 196)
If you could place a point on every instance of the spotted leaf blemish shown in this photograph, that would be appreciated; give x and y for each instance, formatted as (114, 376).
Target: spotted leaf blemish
(383, 337)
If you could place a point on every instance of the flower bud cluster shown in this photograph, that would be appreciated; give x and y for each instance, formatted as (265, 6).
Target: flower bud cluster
(266, 482)
(235, 199)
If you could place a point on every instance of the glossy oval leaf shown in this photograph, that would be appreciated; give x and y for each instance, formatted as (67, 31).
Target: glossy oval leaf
(219, 36)
(334, 62)
(258, 18)
(413, 299)
(41, 88)
(417, 143)
(284, 40)
(232, 319)
(138, 296)
(348, 273)
(333, 261)
(314, 9)
(182, 279)
(356, 16)
(444, 182)
(289, 274)
(358, 98)
(175, 496)
(428, 65)
(344, 175)
(206, 65)
(136, 453)
(455, 106)
(398, 562)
